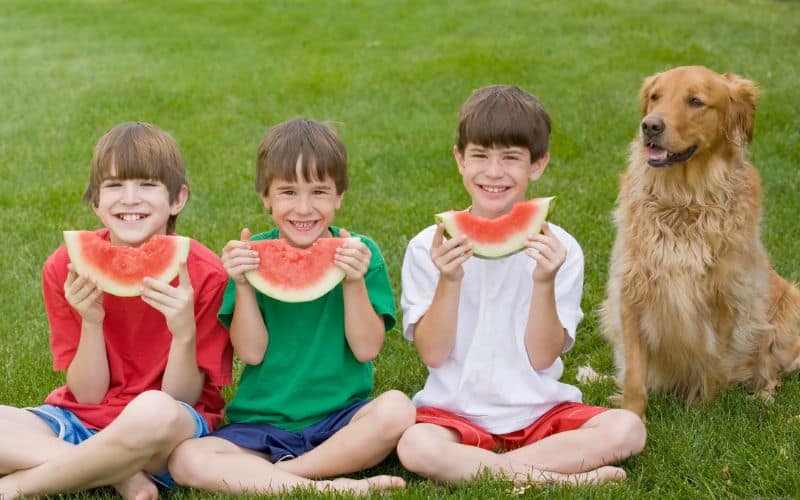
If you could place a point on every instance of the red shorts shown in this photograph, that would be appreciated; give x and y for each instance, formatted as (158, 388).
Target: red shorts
(564, 417)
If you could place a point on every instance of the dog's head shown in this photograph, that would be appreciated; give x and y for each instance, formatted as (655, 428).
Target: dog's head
(691, 111)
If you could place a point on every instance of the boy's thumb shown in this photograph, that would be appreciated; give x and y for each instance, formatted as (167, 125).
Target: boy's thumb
(343, 233)
(245, 236)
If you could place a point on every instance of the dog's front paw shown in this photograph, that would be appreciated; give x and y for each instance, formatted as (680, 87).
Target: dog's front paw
(616, 399)
(636, 405)
(767, 394)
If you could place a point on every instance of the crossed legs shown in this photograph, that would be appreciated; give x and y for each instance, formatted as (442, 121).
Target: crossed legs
(139, 439)
(213, 463)
(579, 456)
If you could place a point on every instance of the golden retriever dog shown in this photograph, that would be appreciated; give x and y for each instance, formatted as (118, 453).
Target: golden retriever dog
(692, 304)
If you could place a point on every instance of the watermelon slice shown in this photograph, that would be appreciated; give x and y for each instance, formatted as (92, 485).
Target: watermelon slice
(120, 270)
(505, 235)
(292, 274)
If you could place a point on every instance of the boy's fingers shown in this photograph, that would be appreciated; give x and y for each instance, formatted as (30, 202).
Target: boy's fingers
(245, 235)
(438, 236)
(183, 276)
(546, 229)
(343, 233)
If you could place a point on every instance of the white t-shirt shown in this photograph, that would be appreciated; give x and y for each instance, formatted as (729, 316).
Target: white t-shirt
(487, 377)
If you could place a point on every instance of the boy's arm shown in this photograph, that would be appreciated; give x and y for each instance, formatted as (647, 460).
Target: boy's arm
(248, 332)
(183, 379)
(545, 336)
(363, 327)
(435, 332)
(88, 375)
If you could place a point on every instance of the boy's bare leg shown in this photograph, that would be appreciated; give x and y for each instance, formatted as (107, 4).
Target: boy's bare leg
(141, 438)
(370, 437)
(212, 463)
(607, 438)
(26, 441)
(437, 453)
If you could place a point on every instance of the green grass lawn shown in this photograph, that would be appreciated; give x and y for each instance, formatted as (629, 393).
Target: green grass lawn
(391, 76)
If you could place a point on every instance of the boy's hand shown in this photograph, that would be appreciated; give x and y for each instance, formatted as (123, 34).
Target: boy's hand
(548, 252)
(175, 303)
(238, 257)
(448, 256)
(352, 258)
(84, 296)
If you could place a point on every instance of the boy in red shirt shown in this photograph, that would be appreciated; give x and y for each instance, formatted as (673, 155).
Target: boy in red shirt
(143, 373)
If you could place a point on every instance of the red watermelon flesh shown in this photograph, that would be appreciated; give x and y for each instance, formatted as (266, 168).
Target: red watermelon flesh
(292, 274)
(505, 235)
(120, 270)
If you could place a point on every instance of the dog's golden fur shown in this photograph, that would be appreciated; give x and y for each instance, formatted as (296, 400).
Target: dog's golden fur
(693, 304)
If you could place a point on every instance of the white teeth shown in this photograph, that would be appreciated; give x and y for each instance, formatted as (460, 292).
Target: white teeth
(303, 225)
(493, 189)
(131, 217)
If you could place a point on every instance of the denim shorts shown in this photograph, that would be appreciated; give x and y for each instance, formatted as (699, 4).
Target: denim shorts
(68, 427)
(279, 444)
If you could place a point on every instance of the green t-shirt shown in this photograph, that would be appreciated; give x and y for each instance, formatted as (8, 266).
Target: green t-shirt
(308, 371)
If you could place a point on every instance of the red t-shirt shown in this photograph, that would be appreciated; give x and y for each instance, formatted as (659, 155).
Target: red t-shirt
(138, 340)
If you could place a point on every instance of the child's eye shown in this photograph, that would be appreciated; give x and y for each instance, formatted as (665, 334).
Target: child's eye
(111, 184)
(149, 183)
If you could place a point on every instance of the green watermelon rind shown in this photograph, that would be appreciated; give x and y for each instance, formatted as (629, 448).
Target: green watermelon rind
(512, 245)
(324, 284)
(107, 283)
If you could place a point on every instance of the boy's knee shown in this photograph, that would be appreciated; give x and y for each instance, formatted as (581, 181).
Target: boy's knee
(395, 412)
(152, 419)
(628, 431)
(416, 449)
(187, 463)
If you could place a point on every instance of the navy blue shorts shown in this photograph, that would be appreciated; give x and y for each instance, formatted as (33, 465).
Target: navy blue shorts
(279, 444)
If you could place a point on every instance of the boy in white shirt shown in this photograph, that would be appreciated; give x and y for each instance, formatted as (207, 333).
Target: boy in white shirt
(491, 331)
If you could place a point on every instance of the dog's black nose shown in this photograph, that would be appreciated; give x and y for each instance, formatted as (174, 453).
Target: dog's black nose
(652, 126)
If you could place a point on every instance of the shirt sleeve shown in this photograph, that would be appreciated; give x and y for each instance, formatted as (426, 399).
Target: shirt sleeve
(569, 288)
(214, 350)
(379, 287)
(419, 277)
(64, 321)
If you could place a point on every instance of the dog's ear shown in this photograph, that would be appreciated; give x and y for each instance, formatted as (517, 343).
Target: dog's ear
(644, 92)
(742, 111)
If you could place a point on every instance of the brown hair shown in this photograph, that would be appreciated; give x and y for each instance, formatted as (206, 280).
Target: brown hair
(137, 151)
(315, 144)
(504, 115)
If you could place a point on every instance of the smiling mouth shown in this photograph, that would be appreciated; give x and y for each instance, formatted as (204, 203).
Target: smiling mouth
(303, 225)
(494, 189)
(131, 217)
(660, 157)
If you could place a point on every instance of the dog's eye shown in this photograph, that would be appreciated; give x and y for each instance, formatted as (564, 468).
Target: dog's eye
(654, 97)
(695, 102)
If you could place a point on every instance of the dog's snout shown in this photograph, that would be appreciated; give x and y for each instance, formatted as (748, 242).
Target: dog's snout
(652, 126)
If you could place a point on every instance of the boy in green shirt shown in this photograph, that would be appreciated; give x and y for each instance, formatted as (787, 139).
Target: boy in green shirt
(302, 408)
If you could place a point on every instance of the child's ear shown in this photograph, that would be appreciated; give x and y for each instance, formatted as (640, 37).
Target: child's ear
(180, 200)
(537, 167)
(265, 202)
(339, 197)
(459, 158)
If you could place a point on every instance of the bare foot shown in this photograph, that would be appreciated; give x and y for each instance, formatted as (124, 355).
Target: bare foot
(603, 474)
(362, 486)
(137, 487)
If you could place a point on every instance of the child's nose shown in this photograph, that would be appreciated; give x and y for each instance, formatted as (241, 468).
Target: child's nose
(495, 168)
(130, 193)
(303, 204)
